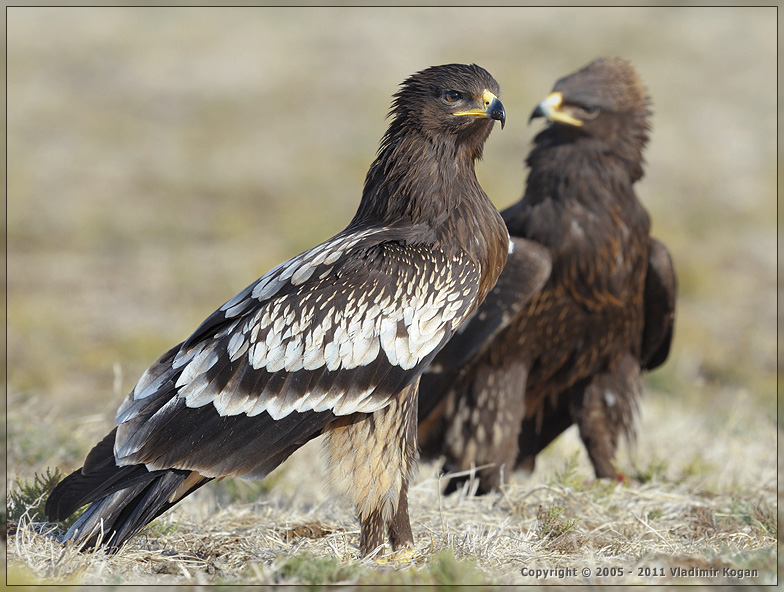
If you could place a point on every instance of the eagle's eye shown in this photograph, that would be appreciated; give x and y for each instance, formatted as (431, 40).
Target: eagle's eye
(589, 112)
(452, 96)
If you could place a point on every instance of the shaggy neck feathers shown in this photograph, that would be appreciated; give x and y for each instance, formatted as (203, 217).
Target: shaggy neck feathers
(565, 163)
(428, 183)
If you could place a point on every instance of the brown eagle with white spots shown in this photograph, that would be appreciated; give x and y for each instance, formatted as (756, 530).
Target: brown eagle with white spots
(330, 342)
(586, 301)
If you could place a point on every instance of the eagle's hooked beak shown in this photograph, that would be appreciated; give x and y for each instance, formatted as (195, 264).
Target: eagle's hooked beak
(551, 108)
(492, 108)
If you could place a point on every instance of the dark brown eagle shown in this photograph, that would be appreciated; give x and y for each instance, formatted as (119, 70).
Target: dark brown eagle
(330, 342)
(585, 303)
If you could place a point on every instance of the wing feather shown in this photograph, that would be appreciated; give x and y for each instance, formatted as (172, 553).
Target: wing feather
(337, 330)
(527, 269)
(659, 305)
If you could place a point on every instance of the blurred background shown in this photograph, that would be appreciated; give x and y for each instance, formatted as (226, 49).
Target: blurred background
(161, 159)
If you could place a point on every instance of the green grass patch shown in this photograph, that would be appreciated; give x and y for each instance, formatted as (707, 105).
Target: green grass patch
(29, 498)
(448, 571)
(308, 569)
(443, 570)
(697, 467)
(550, 523)
(244, 491)
(568, 475)
(759, 516)
(160, 528)
(655, 470)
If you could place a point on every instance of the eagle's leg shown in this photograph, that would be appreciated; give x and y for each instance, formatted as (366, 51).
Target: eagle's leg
(552, 416)
(371, 535)
(598, 432)
(484, 426)
(400, 534)
(372, 457)
(606, 412)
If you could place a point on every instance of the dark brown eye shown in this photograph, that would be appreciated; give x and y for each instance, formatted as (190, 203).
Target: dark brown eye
(452, 96)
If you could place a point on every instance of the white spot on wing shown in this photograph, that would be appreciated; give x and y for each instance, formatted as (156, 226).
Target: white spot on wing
(332, 257)
(404, 358)
(198, 366)
(609, 398)
(353, 326)
(259, 355)
(275, 358)
(293, 359)
(388, 334)
(347, 406)
(197, 394)
(149, 384)
(237, 308)
(266, 287)
(332, 356)
(302, 274)
(313, 358)
(365, 351)
(236, 344)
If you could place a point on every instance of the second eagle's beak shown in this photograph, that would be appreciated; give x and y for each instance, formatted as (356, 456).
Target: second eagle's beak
(551, 109)
(491, 108)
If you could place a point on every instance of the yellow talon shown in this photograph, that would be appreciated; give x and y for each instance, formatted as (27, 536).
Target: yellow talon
(402, 556)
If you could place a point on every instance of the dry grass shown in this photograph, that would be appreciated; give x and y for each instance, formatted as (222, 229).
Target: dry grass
(161, 159)
(686, 515)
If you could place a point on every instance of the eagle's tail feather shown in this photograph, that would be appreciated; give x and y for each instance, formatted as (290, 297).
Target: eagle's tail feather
(124, 499)
(112, 520)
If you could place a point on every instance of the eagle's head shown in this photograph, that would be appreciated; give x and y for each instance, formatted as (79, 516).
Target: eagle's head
(452, 100)
(604, 105)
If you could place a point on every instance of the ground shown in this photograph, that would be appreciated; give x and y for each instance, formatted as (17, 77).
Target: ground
(680, 507)
(160, 160)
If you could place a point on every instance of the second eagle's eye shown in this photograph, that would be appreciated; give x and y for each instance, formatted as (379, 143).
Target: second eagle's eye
(589, 112)
(452, 96)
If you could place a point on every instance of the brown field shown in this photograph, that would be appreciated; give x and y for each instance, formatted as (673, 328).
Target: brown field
(161, 159)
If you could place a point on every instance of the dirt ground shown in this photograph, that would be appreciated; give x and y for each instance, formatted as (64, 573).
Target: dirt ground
(161, 159)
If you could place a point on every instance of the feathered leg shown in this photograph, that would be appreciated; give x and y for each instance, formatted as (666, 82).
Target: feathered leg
(551, 419)
(484, 424)
(608, 407)
(373, 470)
(400, 534)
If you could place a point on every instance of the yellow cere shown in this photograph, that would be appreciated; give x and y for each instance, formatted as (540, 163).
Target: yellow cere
(487, 98)
(551, 107)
